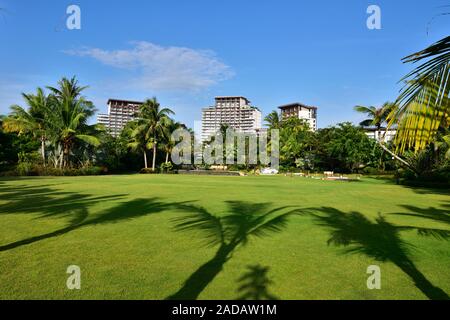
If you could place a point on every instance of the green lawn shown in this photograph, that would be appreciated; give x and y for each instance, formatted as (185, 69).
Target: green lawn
(151, 237)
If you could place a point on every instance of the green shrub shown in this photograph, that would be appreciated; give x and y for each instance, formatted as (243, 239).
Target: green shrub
(166, 167)
(209, 173)
(25, 169)
(94, 171)
(50, 171)
(376, 172)
(29, 169)
(439, 178)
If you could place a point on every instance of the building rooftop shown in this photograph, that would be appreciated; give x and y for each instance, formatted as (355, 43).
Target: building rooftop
(232, 97)
(295, 104)
(126, 101)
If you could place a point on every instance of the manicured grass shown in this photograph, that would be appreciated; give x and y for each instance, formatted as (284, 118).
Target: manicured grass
(144, 236)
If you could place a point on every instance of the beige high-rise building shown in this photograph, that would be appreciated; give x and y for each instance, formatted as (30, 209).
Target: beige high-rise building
(120, 112)
(234, 111)
(300, 111)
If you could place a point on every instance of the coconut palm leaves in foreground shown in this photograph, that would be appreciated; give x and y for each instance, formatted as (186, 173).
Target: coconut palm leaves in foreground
(423, 105)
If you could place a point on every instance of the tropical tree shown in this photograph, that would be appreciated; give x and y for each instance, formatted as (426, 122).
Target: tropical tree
(423, 104)
(68, 119)
(168, 143)
(33, 120)
(12, 146)
(295, 142)
(153, 124)
(375, 116)
(273, 120)
(344, 148)
(137, 139)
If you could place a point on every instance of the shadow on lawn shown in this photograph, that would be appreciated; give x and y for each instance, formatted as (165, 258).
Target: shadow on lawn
(255, 284)
(47, 202)
(75, 207)
(17, 193)
(379, 240)
(228, 232)
(429, 190)
(431, 213)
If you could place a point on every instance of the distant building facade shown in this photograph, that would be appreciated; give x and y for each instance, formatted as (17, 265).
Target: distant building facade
(383, 135)
(234, 111)
(300, 111)
(120, 112)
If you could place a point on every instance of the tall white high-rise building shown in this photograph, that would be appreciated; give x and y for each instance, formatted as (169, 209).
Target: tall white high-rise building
(236, 112)
(120, 112)
(300, 111)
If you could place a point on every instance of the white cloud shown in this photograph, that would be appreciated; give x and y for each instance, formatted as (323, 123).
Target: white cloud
(166, 68)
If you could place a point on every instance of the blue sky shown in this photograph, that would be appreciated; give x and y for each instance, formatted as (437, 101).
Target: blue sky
(186, 52)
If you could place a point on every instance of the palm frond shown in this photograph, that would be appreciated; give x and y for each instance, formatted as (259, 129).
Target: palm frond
(367, 110)
(88, 139)
(366, 123)
(423, 104)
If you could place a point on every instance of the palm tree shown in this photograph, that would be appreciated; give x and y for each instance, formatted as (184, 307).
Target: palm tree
(34, 120)
(153, 122)
(138, 141)
(69, 117)
(273, 120)
(423, 105)
(168, 143)
(375, 116)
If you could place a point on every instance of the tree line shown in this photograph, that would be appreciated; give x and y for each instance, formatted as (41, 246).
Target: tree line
(56, 123)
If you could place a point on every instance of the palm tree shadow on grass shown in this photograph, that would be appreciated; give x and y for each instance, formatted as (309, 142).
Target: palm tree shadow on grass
(76, 207)
(379, 240)
(228, 232)
(46, 201)
(255, 284)
(19, 193)
(435, 214)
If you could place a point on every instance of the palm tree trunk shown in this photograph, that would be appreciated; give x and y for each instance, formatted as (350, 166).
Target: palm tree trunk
(154, 157)
(145, 159)
(61, 159)
(66, 158)
(167, 157)
(43, 149)
(397, 157)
